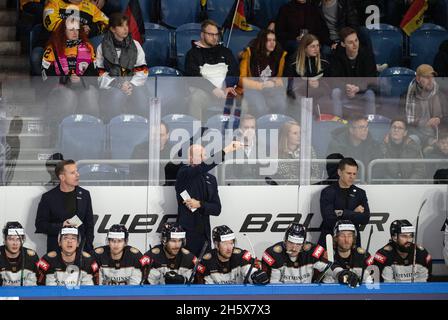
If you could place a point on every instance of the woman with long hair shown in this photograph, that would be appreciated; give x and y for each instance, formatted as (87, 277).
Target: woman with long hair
(289, 149)
(69, 60)
(261, 71)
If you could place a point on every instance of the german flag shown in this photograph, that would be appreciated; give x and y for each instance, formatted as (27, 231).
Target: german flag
(136, 24)
(413, 19)
(238, 16)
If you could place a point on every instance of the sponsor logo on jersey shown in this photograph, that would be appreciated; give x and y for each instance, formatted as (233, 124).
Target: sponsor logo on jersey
(268, 259)
(247, 256)
(145, 260)
(44, 265)
(318, 252)
(94, 266)
(201, 268)
(369, 261)
(380, 258)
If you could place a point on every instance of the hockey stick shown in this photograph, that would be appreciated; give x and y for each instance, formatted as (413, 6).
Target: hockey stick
(246, 277)
(330, 256)
(199, 259)
(367, 250)
(83, 243)
(415, 241)
(22, 271)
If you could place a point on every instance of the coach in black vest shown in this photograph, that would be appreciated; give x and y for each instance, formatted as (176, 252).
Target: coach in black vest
(62, 203)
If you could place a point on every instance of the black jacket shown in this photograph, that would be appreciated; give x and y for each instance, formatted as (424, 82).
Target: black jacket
(332, 198)
(201, 186)
(441, 60)
(51, 214)
(198, 56)
(348, 15)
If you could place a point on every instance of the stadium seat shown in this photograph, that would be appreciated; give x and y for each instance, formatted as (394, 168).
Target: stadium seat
(424, 43)
(125, 132)
(272, 121)
(184, 35)
(161, 71)
(387, 42)
(95, 41)
(176, 13)
(266, 10)
(223, 122)
(156, 45)
(36, 53)
(82, 136)
(321, 136)
(145, 5)
(239, 39)
(378, 126)
(99, 172)
(182, 121)
(218, 10)
(395, 81)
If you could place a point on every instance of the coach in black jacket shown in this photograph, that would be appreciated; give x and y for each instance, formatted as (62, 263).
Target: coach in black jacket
(63, 202)
(203, 190)
(344, 201)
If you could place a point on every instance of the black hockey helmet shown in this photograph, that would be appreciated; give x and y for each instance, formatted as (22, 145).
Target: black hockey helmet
(295, 233)
(118, 231)
(13, 228)
(172, 230)
(222, 233)
(344, 225)
(401, 226)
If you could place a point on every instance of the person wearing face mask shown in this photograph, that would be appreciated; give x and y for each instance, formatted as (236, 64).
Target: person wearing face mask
(227, 264)
(119, 263)
(68, 265)
(261, 71)
(13, 270)
(197, 194)
(294, 260)
(395, 260)
(423, 107)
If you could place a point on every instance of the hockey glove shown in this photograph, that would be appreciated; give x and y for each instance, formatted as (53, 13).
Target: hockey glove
(172, 277)
(349, 278)
(260, 277)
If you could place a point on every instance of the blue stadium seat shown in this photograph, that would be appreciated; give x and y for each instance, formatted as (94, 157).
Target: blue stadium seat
(424, 43)
(239, 39)
(218, 10)
(82, 136)
(95, 41)
(182, 121)
(168, 85)
(395, 81)
(157, 45)
(161, 71)
(321, 136)
(266, 10)
(223, 122)
(176, 12)
(387, 42)
(378, 126)
(272, 121)
(125, 132)
(184, 35)
(99, 172)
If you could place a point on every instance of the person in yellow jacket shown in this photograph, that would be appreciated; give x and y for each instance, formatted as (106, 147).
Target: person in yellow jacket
(93, 21)
(261, 71)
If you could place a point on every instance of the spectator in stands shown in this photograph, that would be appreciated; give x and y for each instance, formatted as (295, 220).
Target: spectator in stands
(123, 71)
(332, 169)
(93, 21)
(271, 25)
(34, 8)
(69, 61)
(297, 18)
(352, 61)
(60, 206)
(397, 145)
(197, 194)
(289, 149)
(441, 60)
(344, 201)
(215, 69)
(261, 71)
(167, 170)
(438, 150)
(423, 106)
(355, 141)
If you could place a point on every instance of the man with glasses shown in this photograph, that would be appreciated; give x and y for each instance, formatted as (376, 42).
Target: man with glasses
(395, 260)
(215, 69)
(397, 145)
(356, 142)
(344, 201)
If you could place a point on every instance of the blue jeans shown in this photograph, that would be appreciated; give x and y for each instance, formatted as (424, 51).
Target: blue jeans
(366, 99)
(271, 100)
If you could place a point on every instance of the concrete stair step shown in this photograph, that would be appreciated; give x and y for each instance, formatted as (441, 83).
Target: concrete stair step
(7, 33)
(10, 48)
(3, 4)
(10, 63)
(8, 17)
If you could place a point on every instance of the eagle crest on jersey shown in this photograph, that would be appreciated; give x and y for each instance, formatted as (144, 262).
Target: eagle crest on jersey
(31, 253)
(85, 254)
(236, 251)
(99, 250)
(52, 254)
(134, 250)
(155, 250)
(207, 256)
(278, 249)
